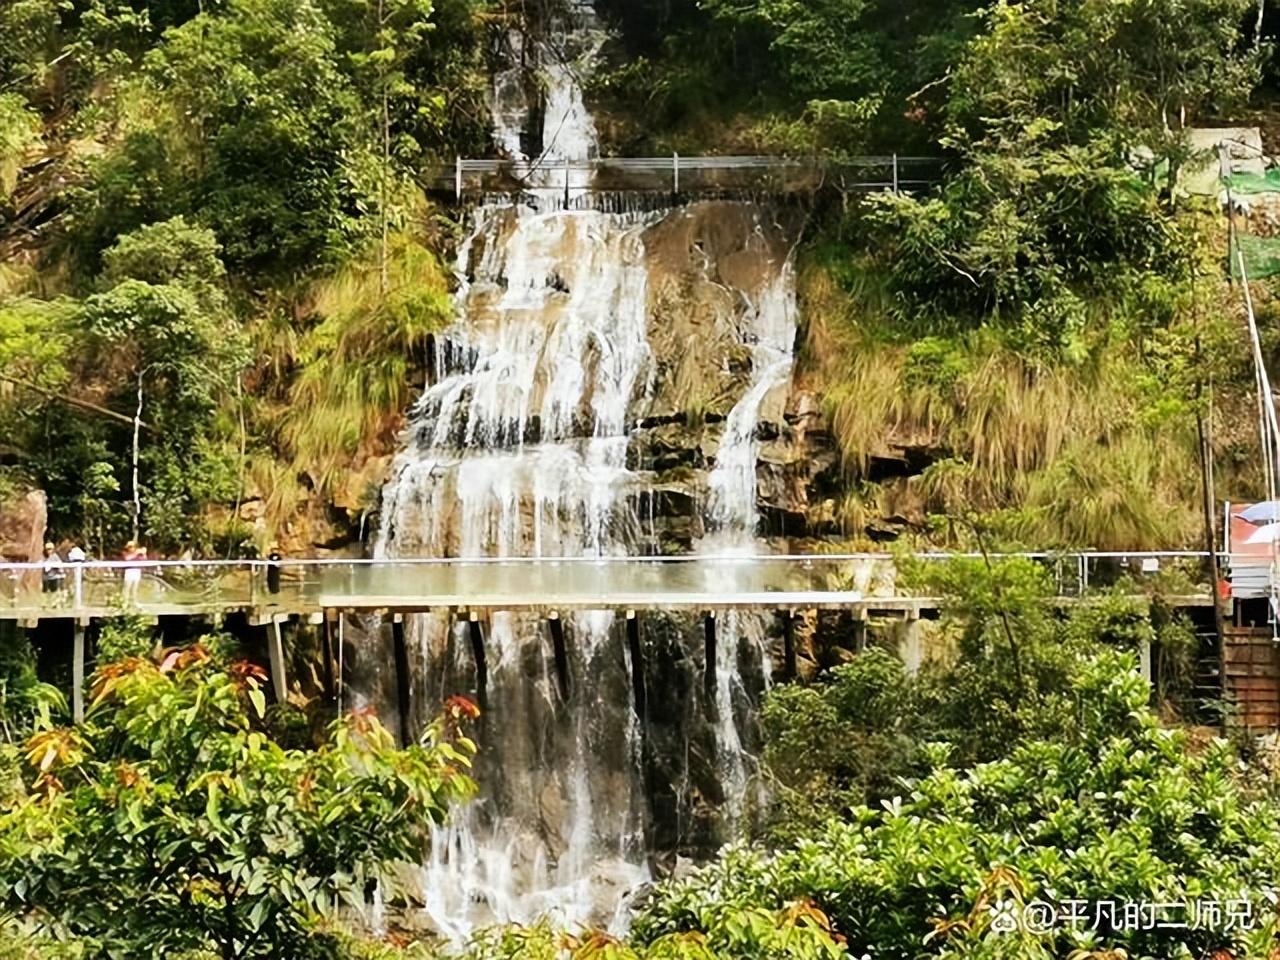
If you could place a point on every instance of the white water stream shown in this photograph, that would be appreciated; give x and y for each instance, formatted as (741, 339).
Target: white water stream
(523, 446)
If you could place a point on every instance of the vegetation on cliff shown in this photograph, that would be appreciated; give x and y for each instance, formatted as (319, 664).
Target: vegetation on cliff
(209, 217)
(1046, 335)
(236, 180)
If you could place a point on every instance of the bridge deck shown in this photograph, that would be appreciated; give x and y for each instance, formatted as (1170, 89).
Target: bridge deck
(865, 584)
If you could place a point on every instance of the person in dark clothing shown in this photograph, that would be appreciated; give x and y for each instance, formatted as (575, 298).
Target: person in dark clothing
(273, 569)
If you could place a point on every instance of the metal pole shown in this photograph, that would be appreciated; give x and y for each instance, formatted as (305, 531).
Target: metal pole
(895, 173)
(457, 177)
(675, 174)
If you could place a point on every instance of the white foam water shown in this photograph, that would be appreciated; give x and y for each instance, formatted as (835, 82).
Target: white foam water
(520, 448)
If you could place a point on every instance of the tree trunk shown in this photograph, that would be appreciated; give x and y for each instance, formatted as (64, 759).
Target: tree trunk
(137, 493)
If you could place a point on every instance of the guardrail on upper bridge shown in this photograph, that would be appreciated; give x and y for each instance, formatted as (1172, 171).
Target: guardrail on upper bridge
(865, 583)
(679, 176)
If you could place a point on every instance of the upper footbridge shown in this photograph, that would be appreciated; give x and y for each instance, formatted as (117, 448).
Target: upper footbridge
(587, 182)
(866, 584)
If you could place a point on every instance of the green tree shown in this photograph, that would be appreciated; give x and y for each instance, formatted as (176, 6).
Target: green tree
(169, 822)
(163, 325)
(272, 133)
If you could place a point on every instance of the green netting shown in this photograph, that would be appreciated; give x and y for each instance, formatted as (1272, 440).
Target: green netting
(1268, 182)
(1261, 256)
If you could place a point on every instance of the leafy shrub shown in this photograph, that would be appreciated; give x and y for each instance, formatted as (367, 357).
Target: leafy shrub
(1115, 808)
(169, 822)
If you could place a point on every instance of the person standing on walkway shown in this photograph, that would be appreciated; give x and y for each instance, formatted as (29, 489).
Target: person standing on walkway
(273, 568)
(133, 553)
(52, 576)
(76, 558)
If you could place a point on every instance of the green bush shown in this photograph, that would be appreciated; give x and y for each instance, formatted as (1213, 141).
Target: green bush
(169, 822)
(1115, 808)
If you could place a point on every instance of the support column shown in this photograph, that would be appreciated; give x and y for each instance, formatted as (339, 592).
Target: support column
(709, 651)
(555, 626)
(341, 682)
(1144, 661)
(789, 644)
(640, 695)
(326, 643)
(860, 631)
(482, 668)
(403, 687)
(275, 653)
(77, 672)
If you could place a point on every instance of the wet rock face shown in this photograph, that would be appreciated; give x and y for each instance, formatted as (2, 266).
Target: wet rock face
(23, 517)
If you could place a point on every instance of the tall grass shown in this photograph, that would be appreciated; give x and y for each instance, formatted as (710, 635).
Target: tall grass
(345, 354)
(1064, 451)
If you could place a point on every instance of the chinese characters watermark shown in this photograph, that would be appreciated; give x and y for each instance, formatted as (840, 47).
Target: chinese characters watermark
(1043, 917)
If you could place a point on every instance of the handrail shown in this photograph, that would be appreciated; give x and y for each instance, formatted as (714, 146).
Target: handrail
(285, 586)
(677, 170)
(693, 558)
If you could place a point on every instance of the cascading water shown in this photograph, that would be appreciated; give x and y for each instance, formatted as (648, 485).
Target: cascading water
(534, 440)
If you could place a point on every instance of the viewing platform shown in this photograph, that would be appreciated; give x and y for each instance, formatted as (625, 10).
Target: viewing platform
(865, 584)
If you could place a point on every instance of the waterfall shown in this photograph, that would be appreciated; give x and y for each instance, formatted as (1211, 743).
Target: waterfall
(575, 328)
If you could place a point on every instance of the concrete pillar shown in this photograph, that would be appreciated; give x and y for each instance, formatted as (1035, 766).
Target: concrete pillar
(555, 626)
(403, 684)
(789, 644)
(482, 667)
(77, 672)
(710, 656)
(640, 693)
(341, 680)
(1144, 660)
(275, 654)
(327, 643)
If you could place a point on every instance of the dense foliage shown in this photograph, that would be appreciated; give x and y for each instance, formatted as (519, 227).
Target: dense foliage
(847, 740)
(1114, 807)
(170, 822)
(188, 191)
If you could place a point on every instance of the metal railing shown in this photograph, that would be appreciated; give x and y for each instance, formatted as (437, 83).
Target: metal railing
(678, 174)
(160, 587)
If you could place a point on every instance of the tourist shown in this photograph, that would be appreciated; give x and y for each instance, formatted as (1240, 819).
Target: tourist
(52, 575)
(273, 568)
(77, 557)
(133, 553)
